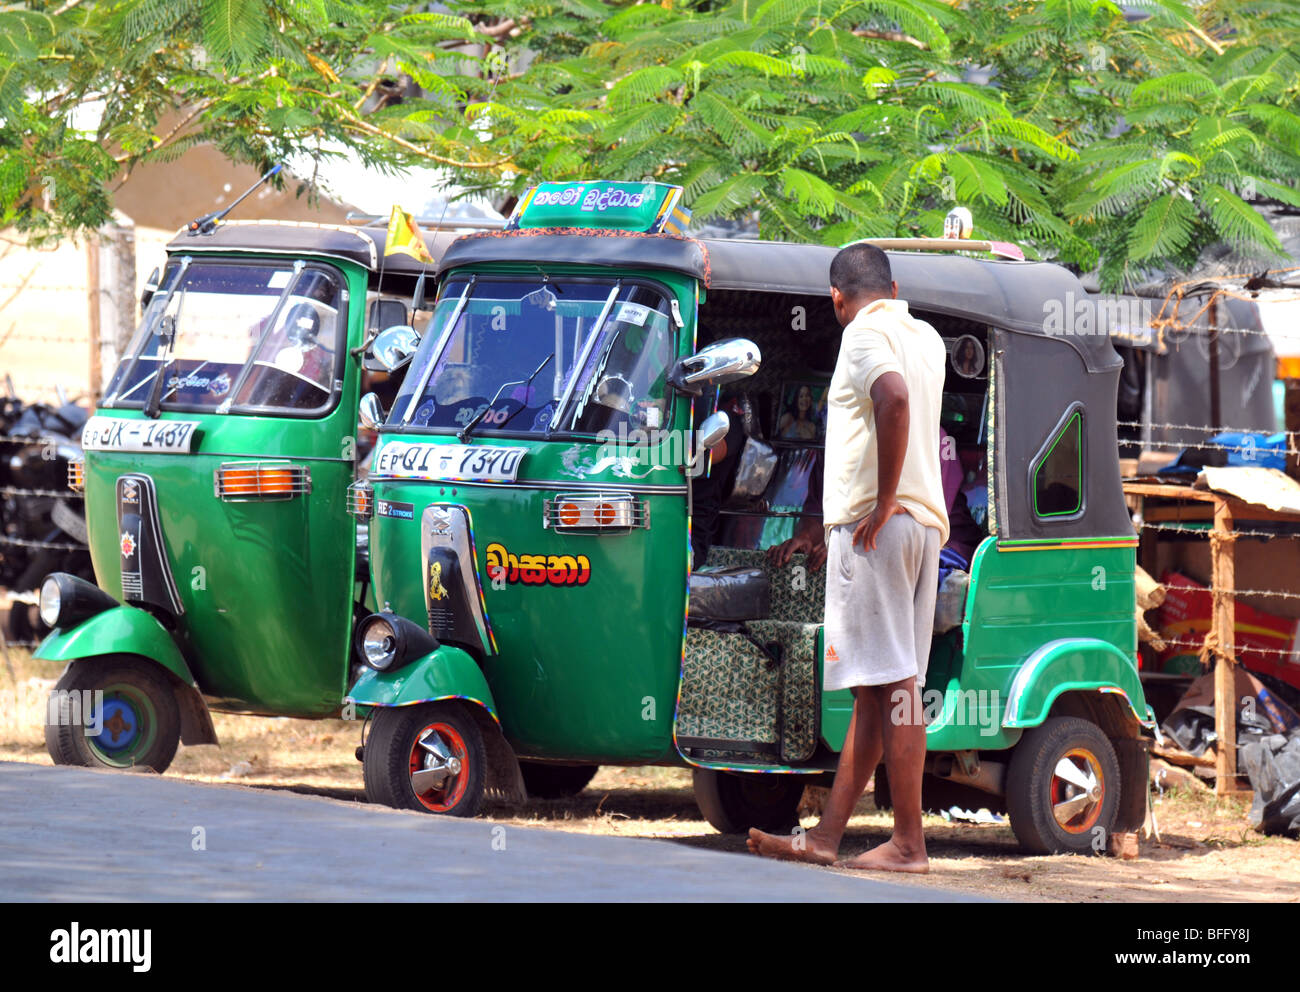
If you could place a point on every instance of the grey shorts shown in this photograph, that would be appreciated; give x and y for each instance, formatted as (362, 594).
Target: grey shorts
(880, 604)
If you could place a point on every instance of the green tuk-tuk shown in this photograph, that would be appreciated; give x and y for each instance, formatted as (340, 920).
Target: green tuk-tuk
(534, 486)
(216, 471)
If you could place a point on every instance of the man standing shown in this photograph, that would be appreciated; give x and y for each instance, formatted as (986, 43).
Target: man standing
(885, 520)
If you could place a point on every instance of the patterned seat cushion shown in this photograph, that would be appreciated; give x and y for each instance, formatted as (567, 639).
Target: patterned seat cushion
(733, 691)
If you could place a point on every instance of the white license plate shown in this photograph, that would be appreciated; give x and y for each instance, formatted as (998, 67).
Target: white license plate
(116, 434)
(447, 462)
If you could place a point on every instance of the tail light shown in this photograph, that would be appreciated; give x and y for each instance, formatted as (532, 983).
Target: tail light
(595, 511)
(77, 475)
(361, 500)
(240, 481)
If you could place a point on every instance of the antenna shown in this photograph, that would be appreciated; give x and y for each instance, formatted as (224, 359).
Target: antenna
(208, 222)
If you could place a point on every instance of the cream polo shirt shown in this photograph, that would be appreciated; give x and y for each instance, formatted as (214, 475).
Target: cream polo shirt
(884, 337)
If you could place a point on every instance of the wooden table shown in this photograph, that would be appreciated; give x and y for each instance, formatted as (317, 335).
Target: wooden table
(1220, 641)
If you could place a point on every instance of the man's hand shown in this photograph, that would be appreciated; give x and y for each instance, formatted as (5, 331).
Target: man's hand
(810, 541)
(869, 527)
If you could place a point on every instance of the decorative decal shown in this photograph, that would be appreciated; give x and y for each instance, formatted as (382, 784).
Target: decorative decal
(128, 544)
(145, 570)
(389, 508)
(437, 590)
(536, 570)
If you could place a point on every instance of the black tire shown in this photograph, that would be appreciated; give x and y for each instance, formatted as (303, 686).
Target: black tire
(394, 748)
(733, 802)
(547, 781)
(1051, 815)
(141, 721)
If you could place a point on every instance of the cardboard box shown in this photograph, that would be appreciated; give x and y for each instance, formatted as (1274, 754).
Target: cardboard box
(1185, 616)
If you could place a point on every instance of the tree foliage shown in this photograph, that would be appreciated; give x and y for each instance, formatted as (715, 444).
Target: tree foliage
(1086, 136)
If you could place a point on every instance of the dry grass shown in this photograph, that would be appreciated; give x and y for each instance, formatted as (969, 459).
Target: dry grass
(1207, 849)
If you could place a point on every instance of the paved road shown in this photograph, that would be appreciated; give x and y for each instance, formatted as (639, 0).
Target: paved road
(86, 836)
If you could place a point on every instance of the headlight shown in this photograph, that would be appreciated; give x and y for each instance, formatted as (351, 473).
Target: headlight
(67, 600)
(378, 643)
(386, 641)
(51, 601)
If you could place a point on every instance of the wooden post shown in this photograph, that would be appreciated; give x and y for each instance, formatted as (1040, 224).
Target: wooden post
(95, 370)
(1291, 410)
(1222, 635)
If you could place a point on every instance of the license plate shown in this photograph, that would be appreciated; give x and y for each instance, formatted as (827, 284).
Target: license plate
(115, 434)
(447, 462)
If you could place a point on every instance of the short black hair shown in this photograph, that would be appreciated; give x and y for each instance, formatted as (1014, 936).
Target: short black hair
(860, 270)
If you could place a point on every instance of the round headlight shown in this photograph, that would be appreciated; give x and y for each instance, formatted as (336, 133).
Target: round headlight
(51, 601)
(379, 643)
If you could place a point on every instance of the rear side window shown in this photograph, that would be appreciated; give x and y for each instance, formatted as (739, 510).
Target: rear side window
(1057, 474)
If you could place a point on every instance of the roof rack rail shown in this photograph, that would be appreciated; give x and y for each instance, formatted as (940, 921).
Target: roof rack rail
(430, 223)
(1003, 249)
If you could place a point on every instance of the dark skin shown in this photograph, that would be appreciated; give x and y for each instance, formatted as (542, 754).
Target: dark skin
(887, 720)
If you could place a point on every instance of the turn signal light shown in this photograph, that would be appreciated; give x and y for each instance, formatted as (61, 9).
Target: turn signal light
(238, 481)
(77, 475)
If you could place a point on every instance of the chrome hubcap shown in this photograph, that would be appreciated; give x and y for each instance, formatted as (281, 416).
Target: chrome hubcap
(439, 764)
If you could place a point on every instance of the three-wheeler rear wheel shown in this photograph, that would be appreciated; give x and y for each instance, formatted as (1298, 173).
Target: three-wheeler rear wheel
(1063, 788)
(733, 802)
(113, 713)
(429, 758)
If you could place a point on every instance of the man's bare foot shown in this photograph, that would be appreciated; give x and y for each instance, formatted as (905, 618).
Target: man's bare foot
(804, 846)
(889, 857)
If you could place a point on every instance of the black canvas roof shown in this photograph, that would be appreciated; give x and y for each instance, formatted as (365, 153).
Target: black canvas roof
(1017, 296)
(363, 245)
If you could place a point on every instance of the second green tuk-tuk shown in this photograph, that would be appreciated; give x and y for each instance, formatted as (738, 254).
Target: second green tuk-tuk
(216, 473)
(532, 495)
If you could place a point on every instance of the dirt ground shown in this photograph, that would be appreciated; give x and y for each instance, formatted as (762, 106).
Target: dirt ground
(1206, 850)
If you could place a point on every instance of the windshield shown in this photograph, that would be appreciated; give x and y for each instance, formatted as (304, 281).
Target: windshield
(235, 337)
(597, 352)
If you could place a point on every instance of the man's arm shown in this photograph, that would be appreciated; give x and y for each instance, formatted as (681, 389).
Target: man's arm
(893, 420)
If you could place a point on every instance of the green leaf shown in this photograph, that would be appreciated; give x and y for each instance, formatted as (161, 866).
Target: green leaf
(1237, 222)
(1165, 228)
(236, 32)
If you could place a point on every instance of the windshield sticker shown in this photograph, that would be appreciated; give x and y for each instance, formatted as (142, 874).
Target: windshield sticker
(114, 434)
(279, 279)
(447, 462)
(537, 570)
(633, 313)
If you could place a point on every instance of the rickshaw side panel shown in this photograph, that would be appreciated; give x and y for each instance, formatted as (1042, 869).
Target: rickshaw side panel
(1018, 602)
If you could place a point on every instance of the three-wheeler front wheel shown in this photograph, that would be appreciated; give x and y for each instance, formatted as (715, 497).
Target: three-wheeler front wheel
(733, 802)
(429, 758)
(1063, 788)
(113, 713)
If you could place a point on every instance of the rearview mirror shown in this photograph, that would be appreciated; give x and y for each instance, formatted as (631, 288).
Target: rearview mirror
(716, 365)
(371, 413)
(714, 430)
(392, 348)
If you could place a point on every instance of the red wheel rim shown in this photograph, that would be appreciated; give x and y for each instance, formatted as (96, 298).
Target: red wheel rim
(1078, 790)
(445, 797)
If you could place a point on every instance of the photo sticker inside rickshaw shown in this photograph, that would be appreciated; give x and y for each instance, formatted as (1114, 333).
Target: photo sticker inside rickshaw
(233, 337)
(541, 356)
(967, 356)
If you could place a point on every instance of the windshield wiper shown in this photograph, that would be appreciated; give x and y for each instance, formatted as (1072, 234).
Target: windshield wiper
(464, 434)
(582, 359)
